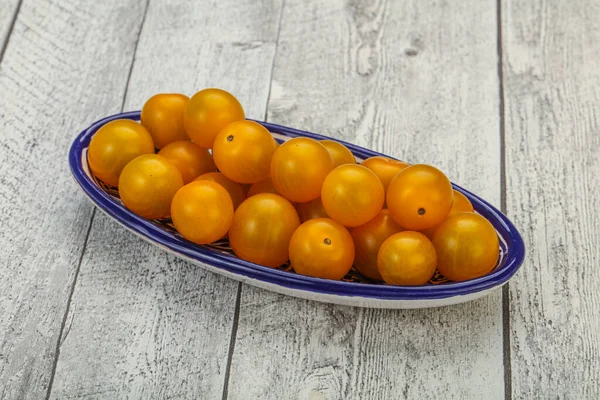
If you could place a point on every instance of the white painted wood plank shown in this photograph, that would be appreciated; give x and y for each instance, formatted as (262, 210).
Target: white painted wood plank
(417, 80)
(552, 92)
(143, 324)
(54, 78)
(8, 10)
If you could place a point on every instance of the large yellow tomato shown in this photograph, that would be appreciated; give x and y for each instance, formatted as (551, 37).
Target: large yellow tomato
(419, 197)
(147, 185)
(191, 159)
(262, 228)
(406, 258)
(299, 167)
(322, 248)
(243, 151)
(114, 145)
(162, 115)
(352, 195)
(467, 246)
(202, 211)
(209, 111)
(368, 239)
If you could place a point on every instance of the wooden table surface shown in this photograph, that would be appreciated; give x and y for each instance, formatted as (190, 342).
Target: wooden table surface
(503, 96)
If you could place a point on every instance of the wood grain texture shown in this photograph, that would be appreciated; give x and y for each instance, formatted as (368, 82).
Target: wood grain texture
(417, 80)
(54, 77)
(143, 324)
(552, 97)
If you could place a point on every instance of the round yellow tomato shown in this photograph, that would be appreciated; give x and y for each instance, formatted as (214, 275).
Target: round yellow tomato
(202, 211)
(419, 197)
(352, 195)
(461, 204)
(311, 210)
(243, 151)
(406, 258)
(299, 167)
(147, 185)
(189, 158)
(322, 248)
(262, 228)
(368, 239)
(209, 111)
(264, 186)
(162, 115)
(340, 153)
(385, 168)
(235, 190)
(467, 246)
(114, 145)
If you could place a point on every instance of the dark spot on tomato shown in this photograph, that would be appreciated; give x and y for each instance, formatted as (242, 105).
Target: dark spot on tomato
(230, 138)
(327, 241)
(421, 211)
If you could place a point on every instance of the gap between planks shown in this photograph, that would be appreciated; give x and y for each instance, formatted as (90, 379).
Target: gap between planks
(87, 236)
(10, 30)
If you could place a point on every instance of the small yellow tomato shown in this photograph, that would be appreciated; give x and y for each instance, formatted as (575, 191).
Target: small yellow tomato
(162, 115)
(147, 185)
(407, 258)
(189, 158)
(202, 211)
(114, 145)
(340, 153)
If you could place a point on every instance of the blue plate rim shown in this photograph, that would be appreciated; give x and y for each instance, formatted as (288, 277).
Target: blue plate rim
(515, 251)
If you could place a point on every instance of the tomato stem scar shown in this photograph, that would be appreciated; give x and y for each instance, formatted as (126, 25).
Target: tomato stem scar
(230, 138)
(421, 211)
(327, 241)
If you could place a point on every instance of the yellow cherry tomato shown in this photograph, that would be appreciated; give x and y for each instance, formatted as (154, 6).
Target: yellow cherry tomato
(352, 195)
(299, 167)
(385, 168)
(147, 185)
(461, 204)
(368, 239)
(202, 211)
(407, 258)
(467, 246)
(243, 151)
(264, 186)
(311, 210)
(419, 197)
(235, 190)
(114, 145)
(340, 153)
(209, 111)
(191, 159)
(262, 228)
(162, 115)
(322, 248)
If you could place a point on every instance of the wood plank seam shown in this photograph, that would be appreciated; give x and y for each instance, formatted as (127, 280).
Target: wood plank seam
(61, 339)
(10, 29)
(505, 289)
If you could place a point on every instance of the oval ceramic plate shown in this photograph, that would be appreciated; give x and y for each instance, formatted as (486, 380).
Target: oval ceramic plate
(353, 290)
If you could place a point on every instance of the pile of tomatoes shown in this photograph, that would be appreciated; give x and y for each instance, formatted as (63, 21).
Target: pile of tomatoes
(308, 202)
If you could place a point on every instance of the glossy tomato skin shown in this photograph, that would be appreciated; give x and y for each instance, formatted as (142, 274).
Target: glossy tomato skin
(299, 167)
(368, 238)
(162, 115)
(264, 186)
(407, 258)
(340, 153)
(461, 204)
(385, 168)
(189, 158)
(322, 248)
(209, 111)
(243, 150)
(419, 197)
(235, 190)
(262, 228)
(467, 246)
(202, 211)
(352, 195)
(114, 145)
(147, 186)
(311, 210)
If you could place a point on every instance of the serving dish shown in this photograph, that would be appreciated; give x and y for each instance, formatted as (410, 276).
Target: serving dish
(354, 290)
